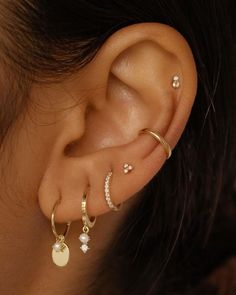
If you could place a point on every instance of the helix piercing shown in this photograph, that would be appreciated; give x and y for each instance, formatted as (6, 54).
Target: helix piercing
(176, 82)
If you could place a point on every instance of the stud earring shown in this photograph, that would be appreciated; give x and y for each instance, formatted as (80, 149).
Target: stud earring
(107, 193)
(176, 82)
(87, 224)
(160, 139)
(60, 250)
(127, 168)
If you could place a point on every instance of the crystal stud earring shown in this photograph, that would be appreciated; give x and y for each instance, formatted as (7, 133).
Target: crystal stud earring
(176, 82)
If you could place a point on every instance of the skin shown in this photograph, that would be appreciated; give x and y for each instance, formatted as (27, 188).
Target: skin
(71, 134)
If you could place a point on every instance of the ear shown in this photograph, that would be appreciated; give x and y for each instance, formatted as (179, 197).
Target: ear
(129, 86)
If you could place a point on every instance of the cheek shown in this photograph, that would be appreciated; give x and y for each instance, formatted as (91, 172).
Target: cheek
(25, 157)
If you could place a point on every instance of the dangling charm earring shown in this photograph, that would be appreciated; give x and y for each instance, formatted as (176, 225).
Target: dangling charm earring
(60, 251)
(87, 224)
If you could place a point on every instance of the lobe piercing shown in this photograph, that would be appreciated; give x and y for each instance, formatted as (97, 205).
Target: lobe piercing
(60, 250)
(88, 223)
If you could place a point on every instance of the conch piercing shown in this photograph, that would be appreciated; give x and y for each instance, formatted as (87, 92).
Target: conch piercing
(107, 193)
(160, 139)
(176, 82)
(60, 251)
(127, 168)
(87, 224)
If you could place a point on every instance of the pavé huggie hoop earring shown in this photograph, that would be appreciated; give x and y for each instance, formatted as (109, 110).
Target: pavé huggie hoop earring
(87, 224)
(107, 193)
(60, 251)
(160, 139)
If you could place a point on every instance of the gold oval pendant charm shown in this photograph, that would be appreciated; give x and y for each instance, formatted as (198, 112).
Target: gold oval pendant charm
(60, 256)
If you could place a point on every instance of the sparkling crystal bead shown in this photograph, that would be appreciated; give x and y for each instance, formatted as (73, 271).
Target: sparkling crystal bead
(84, 248)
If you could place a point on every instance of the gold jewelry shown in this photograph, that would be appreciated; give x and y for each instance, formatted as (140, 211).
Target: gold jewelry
(127, 168)
(87, 224)
(60, 251)
(176, 82)
(161, 140)
(107, 193)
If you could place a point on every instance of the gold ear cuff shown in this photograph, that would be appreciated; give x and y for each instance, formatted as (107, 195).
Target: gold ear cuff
(160, 139)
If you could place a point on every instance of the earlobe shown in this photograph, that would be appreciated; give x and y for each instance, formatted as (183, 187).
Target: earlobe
(143, 77)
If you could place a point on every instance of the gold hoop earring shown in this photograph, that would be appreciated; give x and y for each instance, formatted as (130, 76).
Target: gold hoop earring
(60, 250)
(87, 224)
(160, 139)
(107, 193)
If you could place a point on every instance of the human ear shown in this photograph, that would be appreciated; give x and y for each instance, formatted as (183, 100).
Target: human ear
(129, 82)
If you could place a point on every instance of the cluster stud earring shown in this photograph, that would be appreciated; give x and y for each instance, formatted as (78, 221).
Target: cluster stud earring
(127, 168)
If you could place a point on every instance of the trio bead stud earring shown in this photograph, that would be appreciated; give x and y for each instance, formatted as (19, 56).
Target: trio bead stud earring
(107, 193)
(87, 224)
(176, 82)
(127, 168)
(160, 139)
(60, 250)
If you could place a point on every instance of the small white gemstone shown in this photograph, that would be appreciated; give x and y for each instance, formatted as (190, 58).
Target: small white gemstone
(126, 171)
(84, 248)
(57, 247)
(84, 238)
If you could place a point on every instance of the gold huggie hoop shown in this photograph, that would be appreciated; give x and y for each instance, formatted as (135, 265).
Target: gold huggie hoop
(60, 250)
(85, 218)
(87, 224)
(161, 140)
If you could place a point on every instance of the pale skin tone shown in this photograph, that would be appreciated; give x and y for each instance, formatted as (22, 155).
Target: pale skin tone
(100, 109)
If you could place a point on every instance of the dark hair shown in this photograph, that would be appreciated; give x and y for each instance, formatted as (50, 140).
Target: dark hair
(160, 247)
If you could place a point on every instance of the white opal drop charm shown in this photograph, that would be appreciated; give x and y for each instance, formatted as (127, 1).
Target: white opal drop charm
(60, 252)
